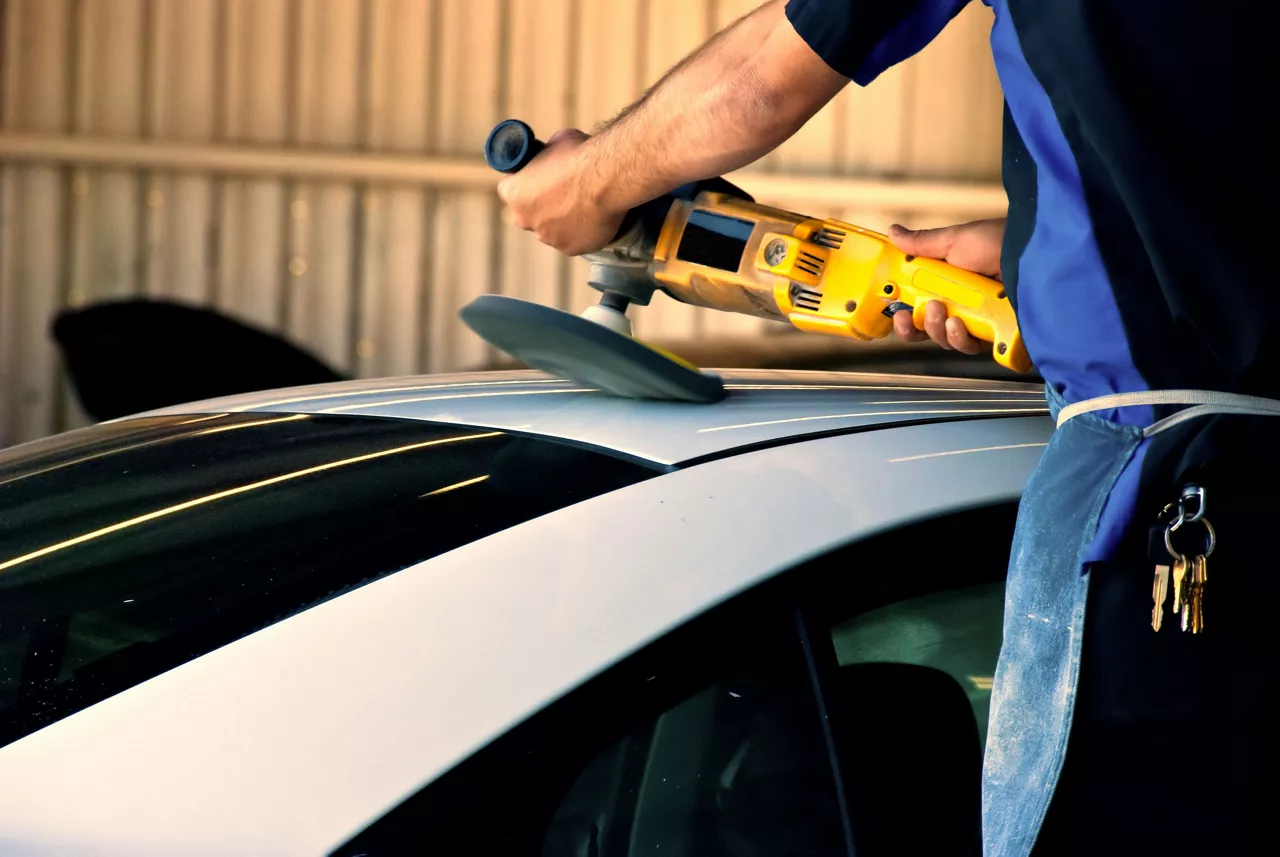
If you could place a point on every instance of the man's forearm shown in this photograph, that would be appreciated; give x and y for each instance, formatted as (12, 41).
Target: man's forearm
(725, 106)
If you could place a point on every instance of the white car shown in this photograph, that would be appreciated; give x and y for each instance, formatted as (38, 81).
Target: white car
(496, 614)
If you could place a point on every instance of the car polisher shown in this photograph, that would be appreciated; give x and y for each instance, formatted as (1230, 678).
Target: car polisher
(710, 244)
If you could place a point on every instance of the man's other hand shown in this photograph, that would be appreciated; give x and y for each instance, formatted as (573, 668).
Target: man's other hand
(974, 246)
(549, 198)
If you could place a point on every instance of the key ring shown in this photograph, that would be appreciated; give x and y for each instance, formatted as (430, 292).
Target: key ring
(1213, 538)
(1172, 524)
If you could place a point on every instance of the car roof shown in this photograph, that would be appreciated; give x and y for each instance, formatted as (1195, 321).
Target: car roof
(763, 408)
(292, 739)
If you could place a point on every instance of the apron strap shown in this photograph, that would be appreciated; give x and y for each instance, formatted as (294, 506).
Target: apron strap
(1206, 403)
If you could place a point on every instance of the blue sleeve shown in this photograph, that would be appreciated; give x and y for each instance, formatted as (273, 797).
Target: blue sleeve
(861, 38)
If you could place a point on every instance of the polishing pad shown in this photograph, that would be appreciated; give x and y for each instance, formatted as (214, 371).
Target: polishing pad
(588, 353)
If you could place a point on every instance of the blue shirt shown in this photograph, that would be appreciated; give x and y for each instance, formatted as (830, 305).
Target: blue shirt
(1139, 171)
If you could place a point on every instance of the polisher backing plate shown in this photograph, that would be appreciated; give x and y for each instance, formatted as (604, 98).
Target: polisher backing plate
(587, 353)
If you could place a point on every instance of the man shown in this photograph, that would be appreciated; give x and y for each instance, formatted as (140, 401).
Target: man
(1139, 174)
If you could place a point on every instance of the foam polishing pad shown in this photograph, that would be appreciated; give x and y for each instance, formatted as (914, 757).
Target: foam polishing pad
(572, 347)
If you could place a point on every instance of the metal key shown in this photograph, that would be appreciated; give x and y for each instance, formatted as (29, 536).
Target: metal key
(1159, 594)
(1180, 568)
(1189, 596)
(1201, 576)
(1204, 565)
(1191, 607)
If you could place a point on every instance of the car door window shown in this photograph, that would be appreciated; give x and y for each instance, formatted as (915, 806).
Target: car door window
(912, 641)
(738, 769)
(839, 708)
(710, 743)
(956, 632)
(909, 691)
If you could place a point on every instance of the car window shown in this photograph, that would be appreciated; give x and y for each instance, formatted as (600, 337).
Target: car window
(709, 743)
(838, 708)
(738, 769)
(957, 632)
(912, 641)
(130, 548)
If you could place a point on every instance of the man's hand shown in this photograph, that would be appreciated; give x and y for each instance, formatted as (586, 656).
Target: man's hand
(549, 198)
(973, 246)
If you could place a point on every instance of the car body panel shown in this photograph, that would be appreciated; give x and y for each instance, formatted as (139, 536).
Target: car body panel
(294, 738)
(763, 407)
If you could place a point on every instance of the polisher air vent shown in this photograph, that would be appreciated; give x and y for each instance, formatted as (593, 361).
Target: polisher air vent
(805, 298)
(809, 263)
(830, 238)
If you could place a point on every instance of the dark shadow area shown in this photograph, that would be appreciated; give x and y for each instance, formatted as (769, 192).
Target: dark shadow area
(128, 357)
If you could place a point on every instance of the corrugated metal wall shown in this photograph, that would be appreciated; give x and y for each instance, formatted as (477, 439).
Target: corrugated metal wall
(369, 274)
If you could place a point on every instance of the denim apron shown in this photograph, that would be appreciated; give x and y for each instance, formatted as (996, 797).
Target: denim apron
(1034, 690)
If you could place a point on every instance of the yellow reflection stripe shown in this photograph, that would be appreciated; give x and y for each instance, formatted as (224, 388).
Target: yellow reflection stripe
(454, 487)
(1022, 401)
(232, 492)
(238, 426)
(992, 411)
(875, 387)
(131, 447)
(366, 406)
(966, 451)
(202, 419)
(382, 391)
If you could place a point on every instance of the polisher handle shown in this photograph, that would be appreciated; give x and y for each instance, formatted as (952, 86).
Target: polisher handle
(511, 146)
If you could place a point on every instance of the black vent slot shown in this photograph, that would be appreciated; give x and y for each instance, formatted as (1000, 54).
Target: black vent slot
(830, 238)
(809, 263)
(805, 298)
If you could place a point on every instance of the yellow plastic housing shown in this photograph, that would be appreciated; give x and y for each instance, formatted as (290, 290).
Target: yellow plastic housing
(831, 277)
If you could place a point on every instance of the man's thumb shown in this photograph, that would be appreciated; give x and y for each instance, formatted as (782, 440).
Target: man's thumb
(933, 243)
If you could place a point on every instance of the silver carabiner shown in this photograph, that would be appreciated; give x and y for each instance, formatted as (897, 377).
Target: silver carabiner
(1197, 494)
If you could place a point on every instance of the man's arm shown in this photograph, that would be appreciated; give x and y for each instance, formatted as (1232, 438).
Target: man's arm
(727, 105)
(732, 101)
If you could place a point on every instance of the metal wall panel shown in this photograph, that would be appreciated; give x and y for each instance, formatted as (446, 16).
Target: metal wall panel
(467, 234)
(181, 72)
(254, 60)
(393, 276)
(33, 268)
(370, 276)
(330, 65)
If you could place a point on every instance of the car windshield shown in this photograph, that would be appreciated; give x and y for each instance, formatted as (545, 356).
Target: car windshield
(130, 548)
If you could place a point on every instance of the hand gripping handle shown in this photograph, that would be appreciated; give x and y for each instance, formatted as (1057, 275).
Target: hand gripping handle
(512, 145)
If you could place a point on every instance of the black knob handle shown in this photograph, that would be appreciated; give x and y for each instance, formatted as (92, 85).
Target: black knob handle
(511, 146)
